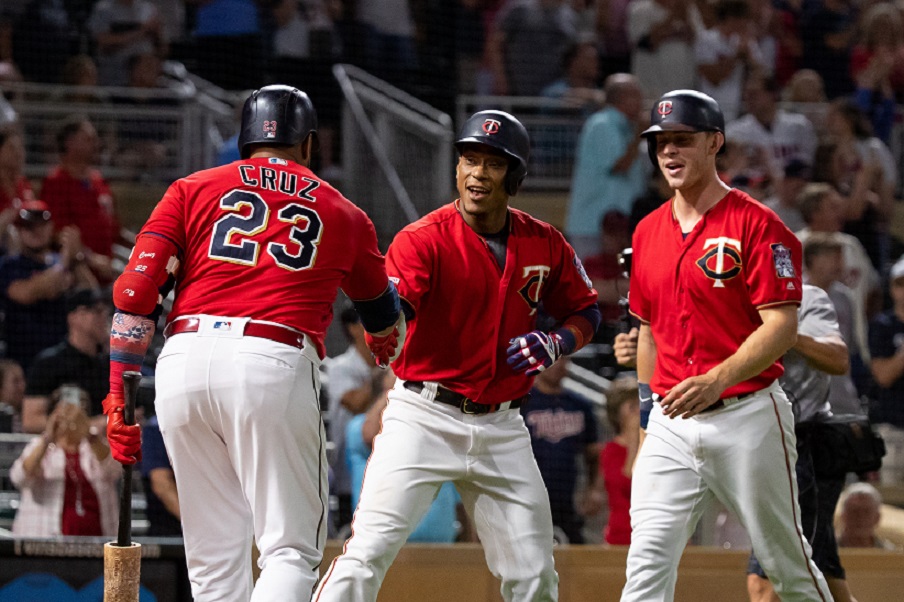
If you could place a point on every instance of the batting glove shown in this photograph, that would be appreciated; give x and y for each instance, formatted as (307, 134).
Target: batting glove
(125, 439)
(535, 352)
(386, 348)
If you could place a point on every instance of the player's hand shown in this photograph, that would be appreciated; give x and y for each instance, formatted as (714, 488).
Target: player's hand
(125, 439)
(534, 352)
(387, 344)
(691, 396)
(625, 348)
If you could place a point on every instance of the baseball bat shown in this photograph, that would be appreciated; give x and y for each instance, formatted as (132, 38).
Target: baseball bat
(122, 559)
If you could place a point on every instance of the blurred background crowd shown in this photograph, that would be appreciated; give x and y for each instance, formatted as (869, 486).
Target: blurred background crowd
(105, 102)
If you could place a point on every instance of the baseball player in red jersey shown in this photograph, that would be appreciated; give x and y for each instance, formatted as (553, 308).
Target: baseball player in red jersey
(471, 276)
(257, 250)
(716, 285)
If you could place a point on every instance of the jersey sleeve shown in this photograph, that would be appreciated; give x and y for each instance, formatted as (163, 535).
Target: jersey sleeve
(571, 290)
(367, 279)
(638, 300)
(409, 264)
(773, 263)
(168, 217)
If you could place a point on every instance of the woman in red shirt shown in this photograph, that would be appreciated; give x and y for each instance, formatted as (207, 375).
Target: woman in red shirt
(617, 459)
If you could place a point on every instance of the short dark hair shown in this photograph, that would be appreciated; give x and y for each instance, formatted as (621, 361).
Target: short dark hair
(68, 128)
(811, 197)
(819, 243)
(624, 390)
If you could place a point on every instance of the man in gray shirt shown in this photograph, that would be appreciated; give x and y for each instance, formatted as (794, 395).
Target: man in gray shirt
(820, 353)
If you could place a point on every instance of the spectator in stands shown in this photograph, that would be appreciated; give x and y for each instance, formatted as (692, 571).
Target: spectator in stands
(121, 29)
(786, 27)
(527, 44)
(805, 89)
(229, 28)
(609, 172)
(877, 67)
(886, 345)
(78, 195)
(143, 140)
(863, 170)
(67, 477)
(616, 462)
(822, 209)
(34, 281)
(12, 392)
(159, 484)
(662, 35)
(388, 36)
(81, 358)
(861, 511)
(565, 437)
(80, 70)
(607, 275)
(350, 391)
(14, 186)
(578, 88)
(446, 520)
(45, 35)
(782, 136)
(784, 202)
(612, 26)
(827, 32)
(726, 53)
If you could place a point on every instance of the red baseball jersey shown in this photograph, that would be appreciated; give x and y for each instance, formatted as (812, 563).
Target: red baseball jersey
(267, 239)
(700, 294)
(467, 309)
(86, 203)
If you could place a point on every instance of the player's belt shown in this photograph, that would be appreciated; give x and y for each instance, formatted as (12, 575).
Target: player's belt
(261, 330)
(467, 406)
(731, 401)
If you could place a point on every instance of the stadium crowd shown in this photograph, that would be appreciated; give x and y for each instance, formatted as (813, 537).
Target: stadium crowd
(827, 169)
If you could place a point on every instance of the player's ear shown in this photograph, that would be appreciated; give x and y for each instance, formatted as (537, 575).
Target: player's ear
(718, 141)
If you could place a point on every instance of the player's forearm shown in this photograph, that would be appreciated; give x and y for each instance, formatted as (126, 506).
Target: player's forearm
(827, 354)
(774, 337)
(130, 337)
(646, 354)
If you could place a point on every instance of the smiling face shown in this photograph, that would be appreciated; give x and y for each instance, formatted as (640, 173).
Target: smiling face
(480, 179)
(687, 158)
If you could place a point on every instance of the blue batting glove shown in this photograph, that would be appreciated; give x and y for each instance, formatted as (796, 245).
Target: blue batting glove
(535, 352)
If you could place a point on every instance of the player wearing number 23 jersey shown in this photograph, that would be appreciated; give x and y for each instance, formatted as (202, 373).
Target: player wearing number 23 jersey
(256, 251)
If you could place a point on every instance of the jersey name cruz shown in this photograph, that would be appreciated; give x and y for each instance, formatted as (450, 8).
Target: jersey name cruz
(278, 180)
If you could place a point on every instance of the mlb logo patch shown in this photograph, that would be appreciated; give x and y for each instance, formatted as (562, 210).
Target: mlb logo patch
(222, 325)
(781, 257)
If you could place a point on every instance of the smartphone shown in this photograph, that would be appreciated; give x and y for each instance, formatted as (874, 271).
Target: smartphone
(71, 394)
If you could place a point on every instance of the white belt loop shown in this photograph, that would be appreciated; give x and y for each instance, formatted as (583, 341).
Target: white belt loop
(429, 390)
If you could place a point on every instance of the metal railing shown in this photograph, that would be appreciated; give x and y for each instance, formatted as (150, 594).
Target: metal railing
(396, 151)
(158, 134)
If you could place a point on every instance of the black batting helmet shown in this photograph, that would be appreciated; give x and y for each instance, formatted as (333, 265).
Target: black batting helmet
(505, 133)
(683, 110)
(276, 115)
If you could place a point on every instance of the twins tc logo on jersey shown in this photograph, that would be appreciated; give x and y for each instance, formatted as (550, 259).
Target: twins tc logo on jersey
(269, 128)
(722, 260)
(491, 126)
(781, 257)
(530, 291)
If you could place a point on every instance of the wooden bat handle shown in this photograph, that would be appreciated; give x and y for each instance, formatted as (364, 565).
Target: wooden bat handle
(131, 380)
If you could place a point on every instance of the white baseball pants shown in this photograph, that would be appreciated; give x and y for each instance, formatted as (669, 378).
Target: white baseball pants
(743, 454)
(241, 422)
(422, 445)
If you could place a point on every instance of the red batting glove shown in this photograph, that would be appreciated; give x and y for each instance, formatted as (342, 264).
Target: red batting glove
(383, 348)
(125, 439)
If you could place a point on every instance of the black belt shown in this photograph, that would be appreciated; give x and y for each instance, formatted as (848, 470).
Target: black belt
(467, 406)
(721, 403)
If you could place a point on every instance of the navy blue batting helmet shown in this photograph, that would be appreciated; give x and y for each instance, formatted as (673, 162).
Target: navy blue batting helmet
(683, 110)
(505, 133)
(276, 116)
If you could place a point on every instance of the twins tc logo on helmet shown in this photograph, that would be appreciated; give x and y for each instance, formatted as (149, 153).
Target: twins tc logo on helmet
(269, 128)
(491, 126)
(665, 107)
(722, 261)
